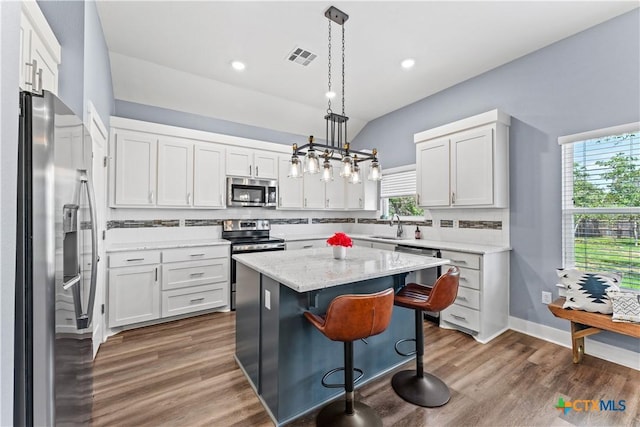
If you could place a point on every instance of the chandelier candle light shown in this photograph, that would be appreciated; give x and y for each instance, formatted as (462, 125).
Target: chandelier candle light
(340, 243)
(337, 145)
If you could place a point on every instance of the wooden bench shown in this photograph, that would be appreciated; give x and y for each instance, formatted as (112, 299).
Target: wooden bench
(584, 323)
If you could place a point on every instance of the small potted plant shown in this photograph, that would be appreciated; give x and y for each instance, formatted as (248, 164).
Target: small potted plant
(340, 243)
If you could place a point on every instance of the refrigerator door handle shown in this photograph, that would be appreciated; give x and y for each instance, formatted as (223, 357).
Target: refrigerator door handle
(83, 319)
(69, 283)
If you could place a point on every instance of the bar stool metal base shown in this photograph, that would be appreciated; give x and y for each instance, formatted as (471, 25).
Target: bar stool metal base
(428, 391)
(334, 415)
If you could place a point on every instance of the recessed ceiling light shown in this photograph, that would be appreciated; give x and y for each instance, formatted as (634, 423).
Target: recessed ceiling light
(237, 65)
(408, 63)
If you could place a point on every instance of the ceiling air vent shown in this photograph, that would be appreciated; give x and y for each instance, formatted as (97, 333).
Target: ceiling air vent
(301, 56)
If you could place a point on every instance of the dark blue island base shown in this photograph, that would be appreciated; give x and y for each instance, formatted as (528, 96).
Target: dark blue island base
(284, 357)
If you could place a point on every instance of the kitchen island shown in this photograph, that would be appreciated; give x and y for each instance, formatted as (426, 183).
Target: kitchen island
(282, 355)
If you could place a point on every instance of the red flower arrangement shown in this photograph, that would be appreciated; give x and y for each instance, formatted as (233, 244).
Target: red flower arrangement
(340, 239)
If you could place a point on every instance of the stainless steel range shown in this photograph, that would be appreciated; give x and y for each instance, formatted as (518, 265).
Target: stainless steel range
(246, 236)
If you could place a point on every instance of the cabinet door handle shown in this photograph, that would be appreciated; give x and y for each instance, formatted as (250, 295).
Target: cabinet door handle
(27, 82)
(464, 279)
(280, 201)
(307, 246)
(196, 299)
(196, 255)
(257, 173)
(156, 274)
(151, 196)
(360, 201)
(249, 169)
(135, 259)
(39, 88)
(459, 261)
(455, 316)
(199, 273)
(188, 198)
(305, 202)
(418, 197)
(461, 298)
(327, 203)
(453, 198)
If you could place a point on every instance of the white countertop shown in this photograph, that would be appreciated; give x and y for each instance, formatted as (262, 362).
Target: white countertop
(306, 270)
(419, 243)
(140, 246)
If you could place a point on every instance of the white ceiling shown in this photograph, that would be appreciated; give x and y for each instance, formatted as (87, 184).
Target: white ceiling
(177, 54)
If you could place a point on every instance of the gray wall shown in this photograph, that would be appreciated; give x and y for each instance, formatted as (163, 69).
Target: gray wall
(66, 19)
(9, 45)
(98, 87)
(132, 110)
(588, 81)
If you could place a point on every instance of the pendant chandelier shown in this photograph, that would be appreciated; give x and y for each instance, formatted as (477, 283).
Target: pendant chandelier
(317, 157)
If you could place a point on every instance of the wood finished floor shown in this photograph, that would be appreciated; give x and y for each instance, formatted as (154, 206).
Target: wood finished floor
(183, 373)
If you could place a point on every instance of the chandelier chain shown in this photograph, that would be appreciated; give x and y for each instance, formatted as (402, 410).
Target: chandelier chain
(329, 79)
(343, 113)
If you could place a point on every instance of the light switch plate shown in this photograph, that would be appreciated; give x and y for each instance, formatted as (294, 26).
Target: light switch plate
(546, 297)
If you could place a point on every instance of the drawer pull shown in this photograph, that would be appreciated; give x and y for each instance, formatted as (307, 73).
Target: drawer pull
(307, 246)
(464, 279)
(200, 273)
(461, 261)
(135, 259)
(462, 298)
(455, 316)
(196, 299)
(197, 255)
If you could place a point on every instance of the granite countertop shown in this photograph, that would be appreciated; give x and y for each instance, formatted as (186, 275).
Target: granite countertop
(419, 243)
(306, 270)
(140, 246)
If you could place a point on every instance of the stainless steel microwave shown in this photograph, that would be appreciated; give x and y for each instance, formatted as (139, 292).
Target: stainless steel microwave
(251, 192)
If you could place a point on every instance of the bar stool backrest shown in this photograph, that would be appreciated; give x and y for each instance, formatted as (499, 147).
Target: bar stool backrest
(352, 317)
(444, 291)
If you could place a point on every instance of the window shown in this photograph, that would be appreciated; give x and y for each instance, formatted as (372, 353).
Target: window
(398, 193)
(601, 201)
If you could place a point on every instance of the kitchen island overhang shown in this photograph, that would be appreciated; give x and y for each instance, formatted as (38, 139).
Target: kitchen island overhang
(281, 354)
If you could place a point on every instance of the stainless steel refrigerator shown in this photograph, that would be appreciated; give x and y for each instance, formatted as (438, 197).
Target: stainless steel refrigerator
(56, 266)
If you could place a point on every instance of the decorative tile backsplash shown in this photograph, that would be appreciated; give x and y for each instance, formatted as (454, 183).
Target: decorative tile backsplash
(147, 223)
(444, 223)
(481, 225)
(289, 221)
(202, 222)
(333, 220)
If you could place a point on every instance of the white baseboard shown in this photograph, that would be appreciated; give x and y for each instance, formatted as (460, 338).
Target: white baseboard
(618, 355)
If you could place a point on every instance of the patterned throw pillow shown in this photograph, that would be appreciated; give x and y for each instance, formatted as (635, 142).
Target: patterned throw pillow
(626, 306)
(587, 291)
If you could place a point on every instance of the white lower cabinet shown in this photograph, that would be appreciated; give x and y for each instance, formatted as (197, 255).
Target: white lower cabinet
(150, 285)
(482, 305)
(189, 286)
(134, 294)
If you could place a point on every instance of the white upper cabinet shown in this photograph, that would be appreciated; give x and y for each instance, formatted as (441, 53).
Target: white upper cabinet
(251, 163)
(175, 172)
(40, 52)
(335, 190)
(290, 190)
(314, 191)
(465, 163)
(432, 164)
(208, 176)
(135, 168)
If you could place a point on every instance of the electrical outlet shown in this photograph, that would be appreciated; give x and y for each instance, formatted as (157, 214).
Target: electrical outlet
(546, 297)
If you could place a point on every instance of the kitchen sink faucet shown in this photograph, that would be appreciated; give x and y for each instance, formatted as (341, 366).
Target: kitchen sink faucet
(400, 230)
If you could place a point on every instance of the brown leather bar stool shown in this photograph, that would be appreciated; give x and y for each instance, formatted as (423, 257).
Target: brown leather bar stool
(418, 387)
(350, 318)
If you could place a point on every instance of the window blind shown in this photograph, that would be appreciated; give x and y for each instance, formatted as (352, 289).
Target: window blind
(601, 203)
(396, 184)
